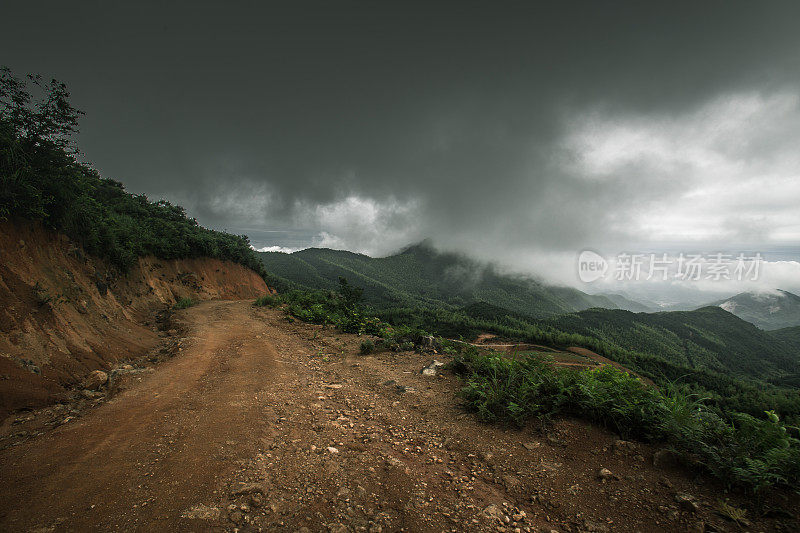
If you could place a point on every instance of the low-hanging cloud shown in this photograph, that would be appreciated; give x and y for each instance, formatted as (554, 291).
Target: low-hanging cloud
(517, 133)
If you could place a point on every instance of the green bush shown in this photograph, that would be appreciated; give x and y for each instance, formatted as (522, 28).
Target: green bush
(184, 303)
(268, 300)
(367, 347)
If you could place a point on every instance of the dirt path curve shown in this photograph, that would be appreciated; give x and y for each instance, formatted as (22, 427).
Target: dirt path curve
(158, 447)
(264, 424)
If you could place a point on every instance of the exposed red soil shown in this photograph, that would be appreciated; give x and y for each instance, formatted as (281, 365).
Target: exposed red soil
(258, 423)
(64, 314)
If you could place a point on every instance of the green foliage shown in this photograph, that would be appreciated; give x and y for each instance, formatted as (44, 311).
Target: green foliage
(184, 303)
(367, 347)
(40, 179)
(737, 448)
(268, 300)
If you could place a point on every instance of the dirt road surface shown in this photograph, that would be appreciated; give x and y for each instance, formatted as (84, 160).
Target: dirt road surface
(262, 424)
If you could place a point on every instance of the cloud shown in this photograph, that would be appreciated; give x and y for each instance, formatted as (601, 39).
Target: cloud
(281, 249)
(362, 225)
(727, 171)
(514, 133)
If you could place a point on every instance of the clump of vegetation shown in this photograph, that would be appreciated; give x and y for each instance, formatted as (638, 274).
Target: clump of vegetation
(184, 303)
(367, 347)
(268, 300)
(41, 179)
(732, 513)
(737, 448)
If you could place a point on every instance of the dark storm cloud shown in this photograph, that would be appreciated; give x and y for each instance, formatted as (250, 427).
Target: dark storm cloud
(376, 123)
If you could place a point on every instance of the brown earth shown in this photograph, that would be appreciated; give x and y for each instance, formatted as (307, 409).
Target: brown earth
(64, 314)
(258, 423)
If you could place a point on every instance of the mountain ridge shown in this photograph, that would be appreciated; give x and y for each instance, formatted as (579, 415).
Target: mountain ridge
(419, 275)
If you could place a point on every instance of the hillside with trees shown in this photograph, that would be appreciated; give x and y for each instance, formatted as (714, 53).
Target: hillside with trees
(42, 179)
(420, 276)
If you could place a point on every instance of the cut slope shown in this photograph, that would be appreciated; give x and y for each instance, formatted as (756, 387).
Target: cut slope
(65, 313)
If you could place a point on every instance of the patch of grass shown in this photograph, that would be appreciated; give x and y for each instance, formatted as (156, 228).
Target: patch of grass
(184, 303)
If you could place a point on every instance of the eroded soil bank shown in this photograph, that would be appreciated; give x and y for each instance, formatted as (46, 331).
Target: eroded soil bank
(64, 314)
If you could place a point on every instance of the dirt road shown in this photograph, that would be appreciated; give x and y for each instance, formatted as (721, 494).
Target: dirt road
(262, 424)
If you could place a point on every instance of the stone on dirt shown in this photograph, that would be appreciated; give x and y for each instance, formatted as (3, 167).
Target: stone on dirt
(247, 488)
(202, 512)
(95, 380)
(432, 369)
(604, 474)
(687, 502)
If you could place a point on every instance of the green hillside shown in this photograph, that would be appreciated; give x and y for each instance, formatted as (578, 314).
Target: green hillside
(789, 336)
(709, 338)
(419, 276)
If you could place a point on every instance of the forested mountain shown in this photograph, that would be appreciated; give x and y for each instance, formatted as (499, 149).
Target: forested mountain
(708, 338)
(420, 276)
(767, 310)
(623, 302)
(789, 336)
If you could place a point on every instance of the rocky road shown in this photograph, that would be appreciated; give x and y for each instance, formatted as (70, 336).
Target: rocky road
(259, 423)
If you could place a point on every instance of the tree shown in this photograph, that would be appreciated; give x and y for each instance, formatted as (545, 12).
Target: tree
(350, 293)
(49, 120)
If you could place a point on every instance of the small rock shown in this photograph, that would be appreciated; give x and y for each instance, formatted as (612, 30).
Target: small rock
(95, 380)
(247, 488)
(493, 511)
(236, 517)
(332, 449)
(687, 502)
(623, 446)
(432, 369)
(202, 512)
(256, 500)
(604, 474)
(595, 527)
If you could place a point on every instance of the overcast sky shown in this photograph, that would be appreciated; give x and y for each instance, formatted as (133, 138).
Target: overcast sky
(521, 132)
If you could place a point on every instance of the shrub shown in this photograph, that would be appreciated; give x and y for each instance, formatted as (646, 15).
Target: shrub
(367, 347)
(268, 300)
(183, 303)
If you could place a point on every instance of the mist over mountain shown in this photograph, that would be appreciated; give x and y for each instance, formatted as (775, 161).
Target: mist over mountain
(768, 310)
(422, 276)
